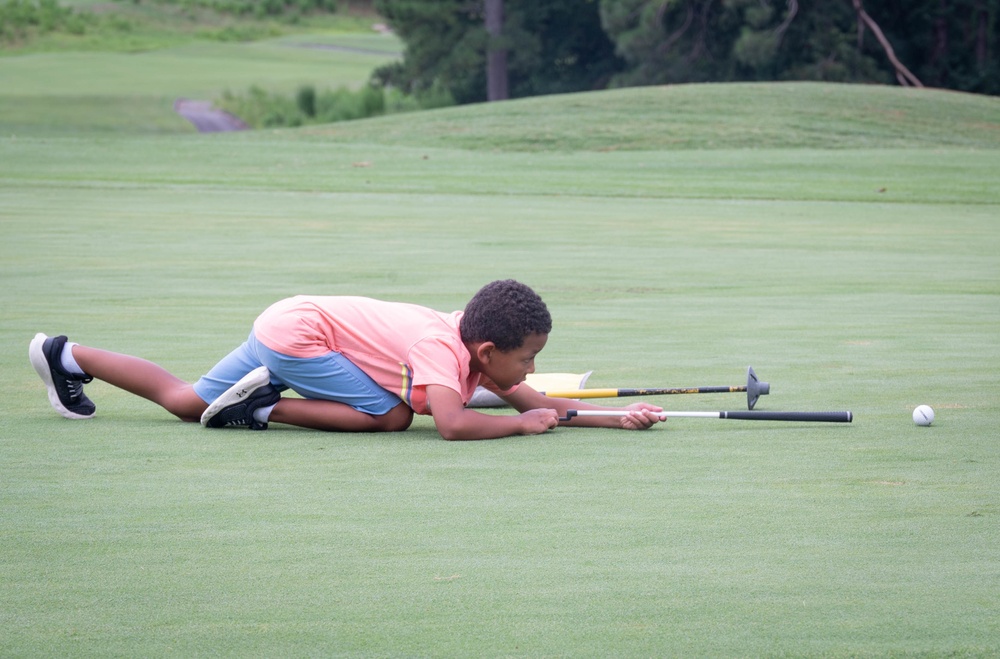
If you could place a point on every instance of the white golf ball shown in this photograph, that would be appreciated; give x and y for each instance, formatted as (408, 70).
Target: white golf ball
(923, 415)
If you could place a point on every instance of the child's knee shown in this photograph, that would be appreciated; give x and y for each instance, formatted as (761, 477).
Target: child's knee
(397, 419)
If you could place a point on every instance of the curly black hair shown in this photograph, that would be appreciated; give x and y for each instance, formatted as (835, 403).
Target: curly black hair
(504, 312)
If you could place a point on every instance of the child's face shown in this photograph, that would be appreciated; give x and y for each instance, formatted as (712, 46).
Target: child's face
(508, 369)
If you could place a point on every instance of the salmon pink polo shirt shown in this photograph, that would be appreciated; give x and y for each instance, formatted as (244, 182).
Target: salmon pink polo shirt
(403, 347)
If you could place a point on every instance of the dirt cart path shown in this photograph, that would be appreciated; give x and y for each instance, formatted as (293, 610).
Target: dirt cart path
(206, 118)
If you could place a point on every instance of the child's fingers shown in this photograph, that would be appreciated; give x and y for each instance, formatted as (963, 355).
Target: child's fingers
(640, 419)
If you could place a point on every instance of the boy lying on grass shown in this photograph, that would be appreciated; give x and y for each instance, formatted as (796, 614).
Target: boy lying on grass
(360, 365)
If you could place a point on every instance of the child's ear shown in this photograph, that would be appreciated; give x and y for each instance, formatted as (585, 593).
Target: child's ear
(484, 351)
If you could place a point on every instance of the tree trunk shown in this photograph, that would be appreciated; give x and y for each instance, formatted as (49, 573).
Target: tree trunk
(939, 54)
(982, 37)
(903, 75)
(496, 58)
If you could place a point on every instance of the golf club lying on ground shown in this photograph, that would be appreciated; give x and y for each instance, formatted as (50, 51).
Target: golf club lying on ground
(754, 388)
(829, 417)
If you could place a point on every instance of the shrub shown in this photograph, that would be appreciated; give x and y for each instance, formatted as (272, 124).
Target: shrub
(261, 109)
(260, 8)
(306, 100)
(19, 18)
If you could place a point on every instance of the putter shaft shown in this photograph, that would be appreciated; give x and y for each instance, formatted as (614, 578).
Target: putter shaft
(622, 393)
(827, 417)
(754, 389)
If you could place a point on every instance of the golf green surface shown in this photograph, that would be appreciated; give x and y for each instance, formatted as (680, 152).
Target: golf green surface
(841, 240)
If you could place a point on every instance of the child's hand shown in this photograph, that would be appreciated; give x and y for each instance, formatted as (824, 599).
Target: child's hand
(642, 416)
(535, 422)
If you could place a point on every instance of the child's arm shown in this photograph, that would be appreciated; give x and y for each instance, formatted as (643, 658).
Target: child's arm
(525, 398)
(455, 422)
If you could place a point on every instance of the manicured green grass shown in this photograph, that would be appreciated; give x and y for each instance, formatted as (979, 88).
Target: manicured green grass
(857, 272)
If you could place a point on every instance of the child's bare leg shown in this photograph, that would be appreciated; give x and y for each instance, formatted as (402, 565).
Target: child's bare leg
(329, 415)
(142, 378)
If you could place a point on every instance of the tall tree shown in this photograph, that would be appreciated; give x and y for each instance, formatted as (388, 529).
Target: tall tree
(947, 43)
(572, 45)
(496, 53)
(903, 74)
(669, 41)
(444, 47)
(552, 46)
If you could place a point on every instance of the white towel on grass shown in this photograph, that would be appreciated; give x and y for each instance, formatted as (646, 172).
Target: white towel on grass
(538, 382)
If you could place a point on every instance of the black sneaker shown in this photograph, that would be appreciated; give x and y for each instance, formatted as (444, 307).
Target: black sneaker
(65, 389)
(236, 406)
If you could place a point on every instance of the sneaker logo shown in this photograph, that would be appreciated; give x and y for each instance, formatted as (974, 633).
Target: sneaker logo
(241, 393)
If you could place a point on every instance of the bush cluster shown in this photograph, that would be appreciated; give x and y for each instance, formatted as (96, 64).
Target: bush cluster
(19, 18)
(260, 8)
(259, 108)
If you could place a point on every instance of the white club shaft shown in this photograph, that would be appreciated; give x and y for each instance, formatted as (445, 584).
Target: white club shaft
(662, 415)
(830, 417)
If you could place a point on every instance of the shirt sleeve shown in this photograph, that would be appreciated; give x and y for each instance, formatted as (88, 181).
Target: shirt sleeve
(435, 361)
(440, 361)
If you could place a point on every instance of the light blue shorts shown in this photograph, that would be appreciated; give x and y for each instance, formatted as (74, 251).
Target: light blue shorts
(328, 377)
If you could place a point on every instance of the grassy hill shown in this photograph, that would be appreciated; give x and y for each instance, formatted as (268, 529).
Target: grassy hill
(801, 141)
(708, 116)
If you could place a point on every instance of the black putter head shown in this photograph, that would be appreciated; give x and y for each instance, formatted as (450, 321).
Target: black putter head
(755, 388)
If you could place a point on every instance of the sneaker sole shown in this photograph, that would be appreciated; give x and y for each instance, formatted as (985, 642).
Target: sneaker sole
(249, 383)
(37, 356)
